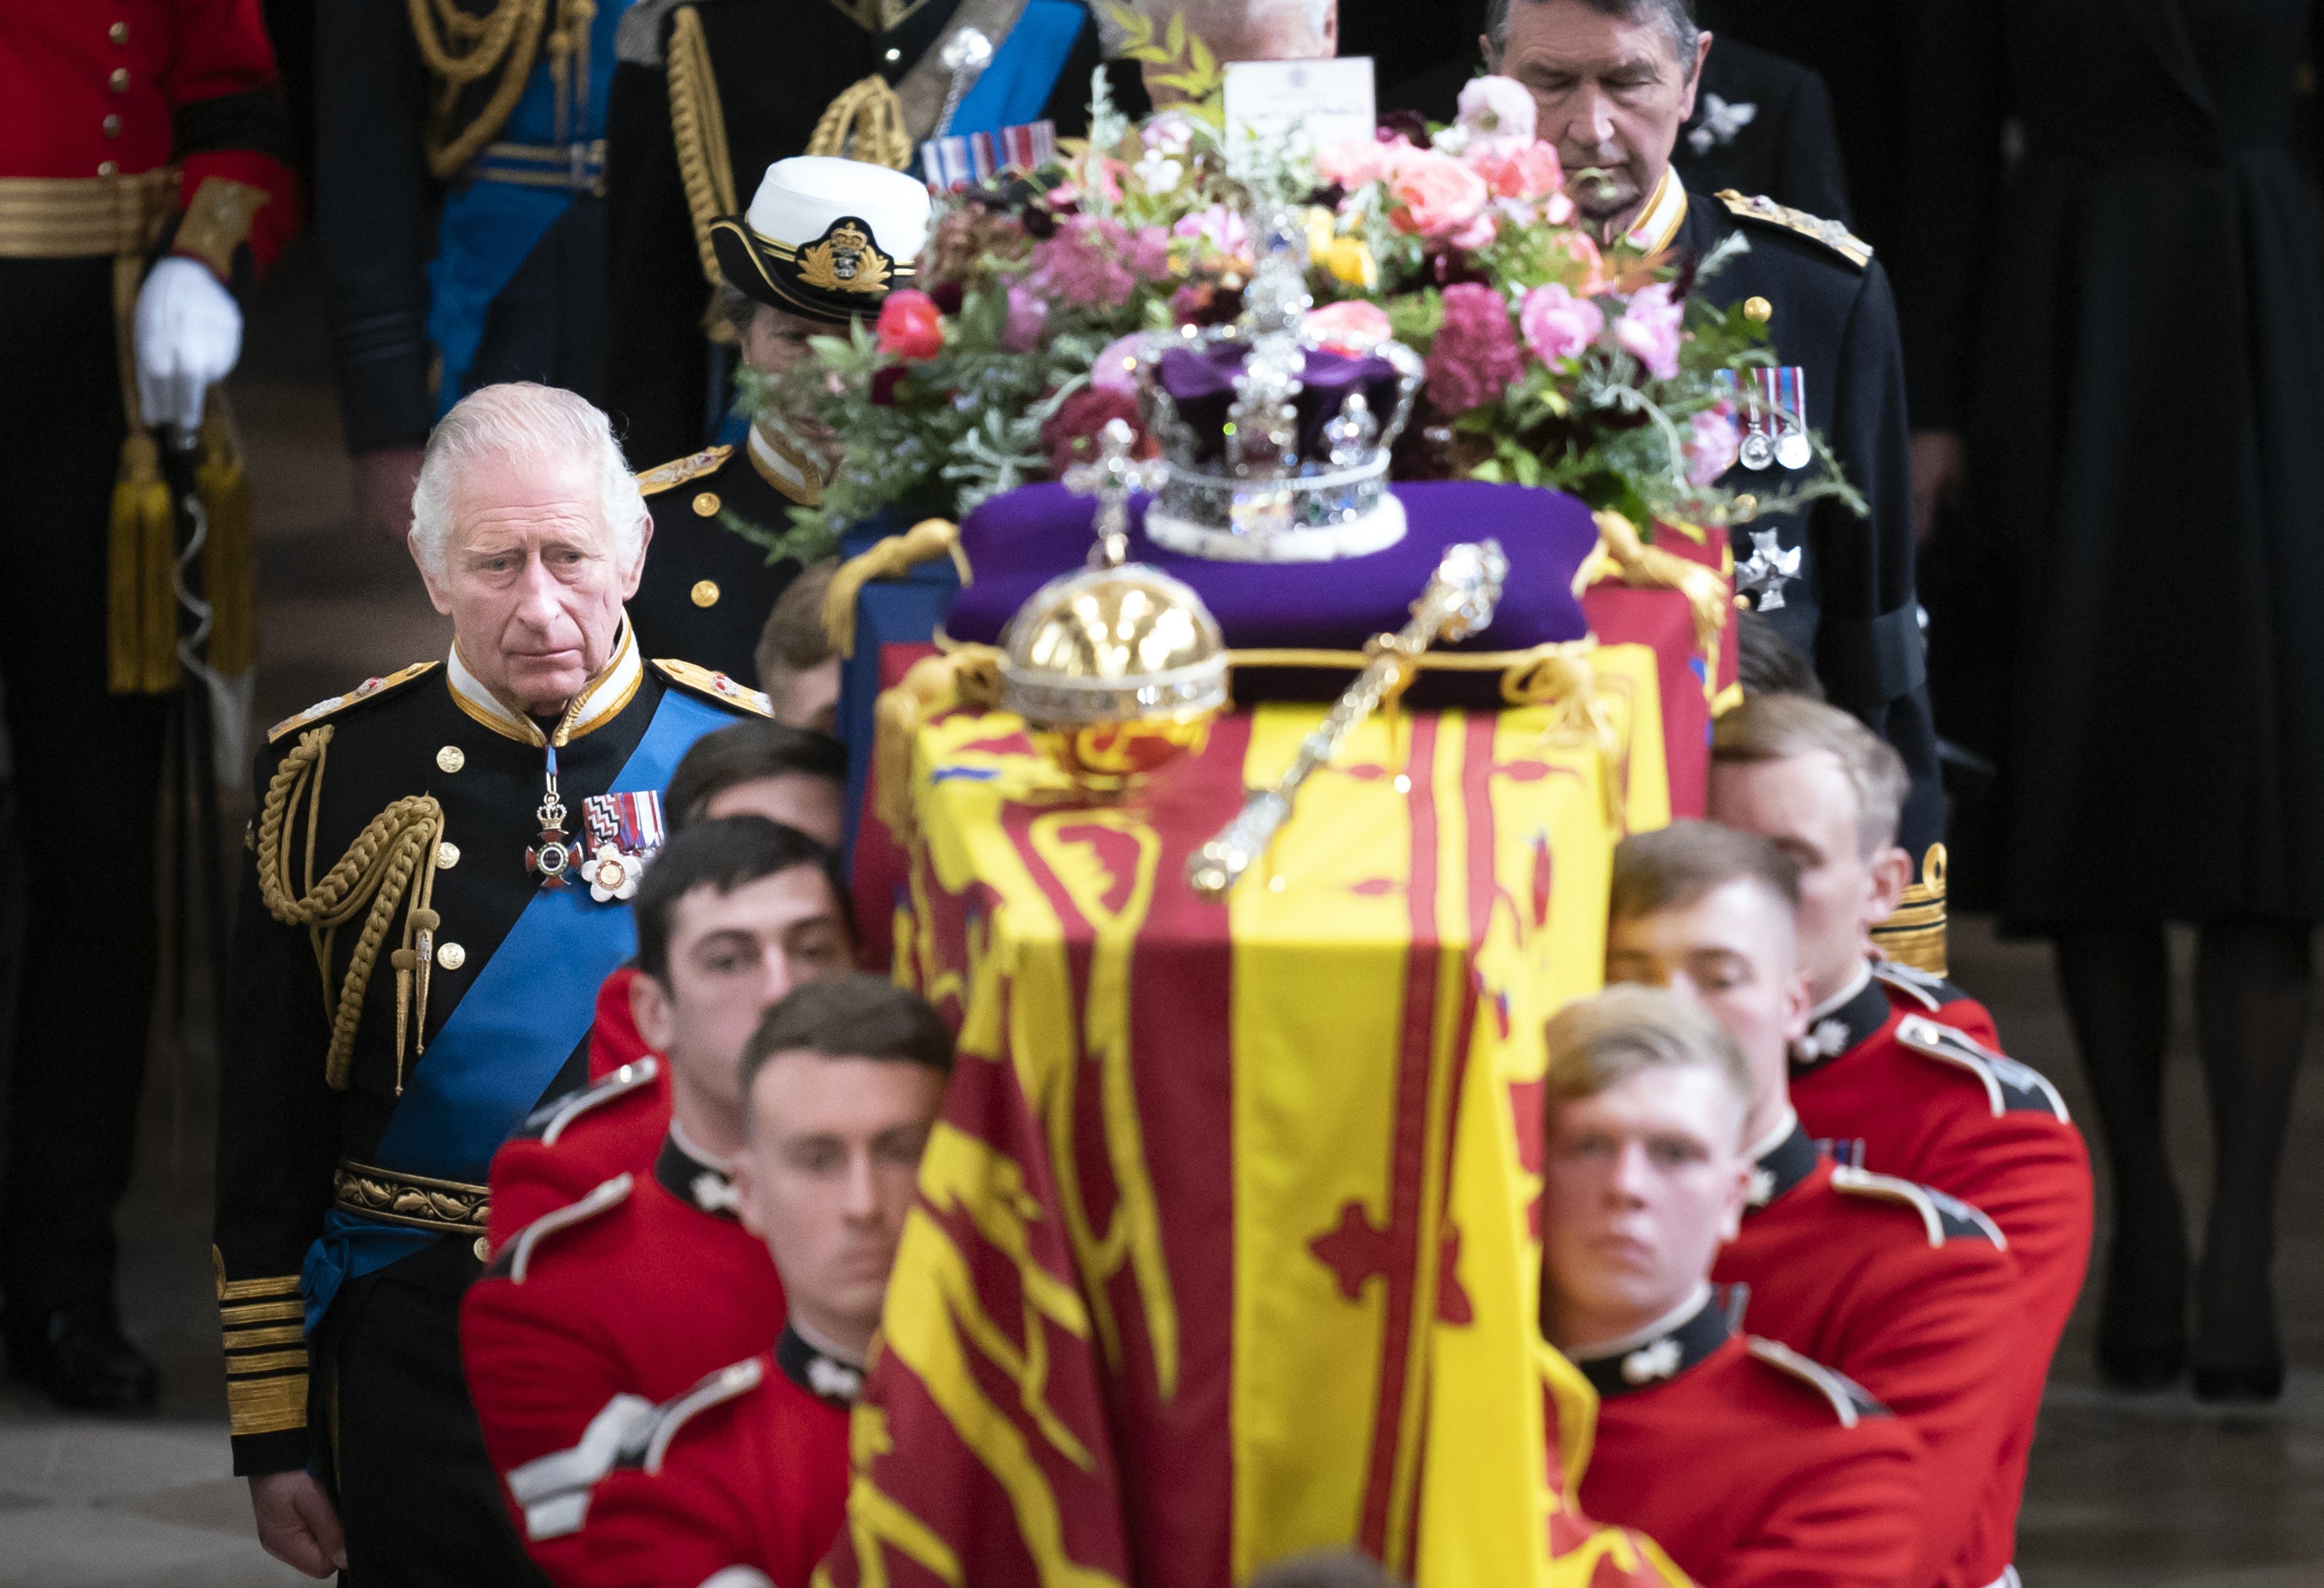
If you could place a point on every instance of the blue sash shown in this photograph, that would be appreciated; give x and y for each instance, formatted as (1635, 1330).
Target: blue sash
(1017, 86)
(530, 1006)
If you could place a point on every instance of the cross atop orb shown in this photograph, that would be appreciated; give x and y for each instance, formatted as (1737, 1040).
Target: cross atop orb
(1112, 476)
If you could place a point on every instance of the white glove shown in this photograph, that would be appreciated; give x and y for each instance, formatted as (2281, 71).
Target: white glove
(188, 335)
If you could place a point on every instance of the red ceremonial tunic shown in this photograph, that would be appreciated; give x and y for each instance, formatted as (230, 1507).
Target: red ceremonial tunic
(570, 1145)
(1752, 1466)
(758, 1482)
(94, 88)
(613, 1039)
(1899, 1091)
(634, 1289)
(1911, 1294)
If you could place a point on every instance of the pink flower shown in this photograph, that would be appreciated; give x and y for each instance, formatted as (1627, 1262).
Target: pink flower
(1150, 252)
(1711, 445)
(1475, 355)
(1170, 132)
(1116, 367)
(1353, 327)
(1529, 171)
(1027, 314)
(1497, 108)
(1436, 195)
(910, 326)
(1557, 325)
(1477, 234)
(1218, 228)
(1092, 262)
(1649, 329)
(1355, 162)
(1578, 247)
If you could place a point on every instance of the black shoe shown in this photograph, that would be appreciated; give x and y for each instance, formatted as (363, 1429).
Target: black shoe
(2143, 1322)
(2238, 1351)
(85, 1363)
(2246, 1386)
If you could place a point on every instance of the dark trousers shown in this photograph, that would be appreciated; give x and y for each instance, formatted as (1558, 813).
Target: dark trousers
(416, 1491)
(88, 769)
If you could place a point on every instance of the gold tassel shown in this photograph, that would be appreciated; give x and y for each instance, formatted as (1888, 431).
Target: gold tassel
(866, 123)
(925, 541)
(141, 610)
(227, 577)
(969, 676)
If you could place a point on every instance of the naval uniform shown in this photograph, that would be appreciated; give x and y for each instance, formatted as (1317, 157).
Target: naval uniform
(1912, 1294)
(1902, 1093)
(354, 1133)
(1752, 1465)
(638, 1289)
(741, 1482)
(709, 95)
(1763, 125)
(707, 589)
(126, 131)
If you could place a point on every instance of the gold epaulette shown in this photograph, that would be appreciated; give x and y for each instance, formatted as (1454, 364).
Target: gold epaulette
(370, 689)
(669, 477)
(1815, 227)
(266, 1328)
(1914, 932)
(702, 680)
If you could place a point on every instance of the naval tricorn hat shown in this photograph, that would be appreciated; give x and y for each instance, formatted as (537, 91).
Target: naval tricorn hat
(826, 238)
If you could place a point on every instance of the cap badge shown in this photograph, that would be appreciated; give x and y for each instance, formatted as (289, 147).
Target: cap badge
(845, 260)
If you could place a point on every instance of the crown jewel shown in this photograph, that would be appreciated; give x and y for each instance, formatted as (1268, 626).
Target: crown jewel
(1275, 449)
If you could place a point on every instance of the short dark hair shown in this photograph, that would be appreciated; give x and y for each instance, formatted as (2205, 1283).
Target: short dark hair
(745, 753)
(1677, 864)
(1676, 18)
(855, 1016)
(1768, 664)
(723, 856)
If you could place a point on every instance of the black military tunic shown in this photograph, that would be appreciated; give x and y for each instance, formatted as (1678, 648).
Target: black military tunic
(762, 71)
(1847, 599)
(707, 590)
(1762, 124)
(295, 1150)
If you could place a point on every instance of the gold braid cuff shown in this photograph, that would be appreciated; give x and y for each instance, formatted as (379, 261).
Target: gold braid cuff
(924, 542)
(866, 123)
(1620, 552)
(697, 126)
(967, 675)
(378, 870)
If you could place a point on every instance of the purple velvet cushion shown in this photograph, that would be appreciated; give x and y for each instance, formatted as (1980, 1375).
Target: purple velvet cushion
(1202, 384)
(1017, 542)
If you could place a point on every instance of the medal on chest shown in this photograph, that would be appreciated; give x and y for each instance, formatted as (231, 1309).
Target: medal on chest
(553, 855)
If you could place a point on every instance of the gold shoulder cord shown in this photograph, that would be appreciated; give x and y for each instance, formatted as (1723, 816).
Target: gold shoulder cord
(459, 48)
(698, 124)
(377, 871)
(865, 123)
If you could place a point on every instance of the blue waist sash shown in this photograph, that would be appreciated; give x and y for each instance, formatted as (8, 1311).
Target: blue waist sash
(528, 1008)
(1024, 72)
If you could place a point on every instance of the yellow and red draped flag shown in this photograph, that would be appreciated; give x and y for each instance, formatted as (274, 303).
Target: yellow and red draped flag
(1225, 1247)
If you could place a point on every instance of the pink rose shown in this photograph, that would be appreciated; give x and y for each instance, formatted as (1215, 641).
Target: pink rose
(1354, 326)
(1557, 325)
(1475, 355)
(1116, 368)
(1028, 314)
(1477, 234)
(1218, 228)
(1529, 171)
(1649, 329)
(1437, 195)
(1578, 247)
(1711, 445)
(1356, 162)
(1497, 108)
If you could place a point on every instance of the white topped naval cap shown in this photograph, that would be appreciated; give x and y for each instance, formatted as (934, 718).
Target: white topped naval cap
(825, 237)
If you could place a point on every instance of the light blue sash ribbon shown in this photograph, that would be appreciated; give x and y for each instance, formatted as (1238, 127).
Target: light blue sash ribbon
(528, 1008)
(1017, 86)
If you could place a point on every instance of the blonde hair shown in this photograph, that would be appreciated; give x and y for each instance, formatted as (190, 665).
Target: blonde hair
(1596, 1044)
(536, 423)
(1782, 727)
(1675, 865)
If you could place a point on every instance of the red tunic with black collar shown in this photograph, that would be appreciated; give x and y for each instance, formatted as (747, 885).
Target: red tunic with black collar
(572, 1144)
(1902, 1093)
(747, 1491)
(1911, 1294)
(638, 1289)
(1752, 1466)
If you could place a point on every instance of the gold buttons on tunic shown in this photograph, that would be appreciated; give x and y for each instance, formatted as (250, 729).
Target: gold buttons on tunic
(448, 855)
(118, 33)
(706, 504)
(483, 1249)
(106, 167)
(1745, 509)
(119, 81)
(705, 593)
(1759, 309)
(451, 758)
(111, 125)
(451, 955)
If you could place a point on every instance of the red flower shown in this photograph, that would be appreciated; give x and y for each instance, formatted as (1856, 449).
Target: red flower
(884, 381)
(1071, 435)
(911, 326)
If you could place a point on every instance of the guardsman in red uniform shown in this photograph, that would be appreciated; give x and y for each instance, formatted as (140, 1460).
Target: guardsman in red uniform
(1897, 1090)
(743, 1478)
(1748, 1464)
(577, 1304)
(142, 184)
(1904, 1289)
(791, 778)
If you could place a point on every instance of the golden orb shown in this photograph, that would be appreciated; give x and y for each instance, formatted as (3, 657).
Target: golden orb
(1117, 671)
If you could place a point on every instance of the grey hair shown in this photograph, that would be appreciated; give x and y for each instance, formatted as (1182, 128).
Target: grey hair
(1675, 17)
(535, 423)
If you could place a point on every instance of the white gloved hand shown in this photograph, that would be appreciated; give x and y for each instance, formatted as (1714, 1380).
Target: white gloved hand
(188, 335)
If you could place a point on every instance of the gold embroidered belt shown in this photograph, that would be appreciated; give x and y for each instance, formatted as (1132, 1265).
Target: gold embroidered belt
(81, 218)
(578, 168)
(449, 1207)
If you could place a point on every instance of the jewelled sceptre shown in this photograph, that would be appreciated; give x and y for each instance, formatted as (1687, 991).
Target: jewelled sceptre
(1459, 601)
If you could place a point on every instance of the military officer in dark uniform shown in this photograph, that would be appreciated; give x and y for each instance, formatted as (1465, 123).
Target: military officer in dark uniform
(459, 176)
(143, 183)
(712, 578)
(1615, 80)
(440, 871)
(710, 94)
